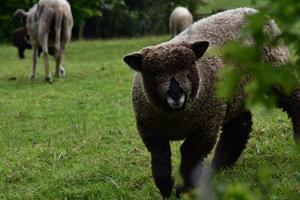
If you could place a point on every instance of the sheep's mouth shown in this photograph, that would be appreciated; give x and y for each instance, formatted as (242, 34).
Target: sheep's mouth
(178, 103)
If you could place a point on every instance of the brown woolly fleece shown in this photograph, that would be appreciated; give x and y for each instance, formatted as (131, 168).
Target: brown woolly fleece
(168, 59)
(176, 125)
(20, 40)
(180, 64)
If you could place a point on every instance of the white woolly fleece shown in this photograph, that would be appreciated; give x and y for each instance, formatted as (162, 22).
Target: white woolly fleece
(216, 29)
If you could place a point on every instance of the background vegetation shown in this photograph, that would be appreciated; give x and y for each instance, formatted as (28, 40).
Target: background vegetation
(286, 15)
(106, 18)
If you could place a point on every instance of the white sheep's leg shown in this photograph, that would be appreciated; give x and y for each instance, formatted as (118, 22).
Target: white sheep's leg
(48, 77)
(174, 31)
(60, 71)
(46, 61)
(35, 53)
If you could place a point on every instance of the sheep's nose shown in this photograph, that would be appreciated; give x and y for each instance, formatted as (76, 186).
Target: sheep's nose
(175, 92)
(175, 95)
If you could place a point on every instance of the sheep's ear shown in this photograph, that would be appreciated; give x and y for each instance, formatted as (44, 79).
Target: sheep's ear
(199, 48)
(134, 61)
(19, 14)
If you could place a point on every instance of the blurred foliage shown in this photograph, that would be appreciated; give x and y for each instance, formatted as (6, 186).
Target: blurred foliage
(106, 18)
(238, 192)
(263, 186)
(7, 8)
(265, 75)
(286, 15)
(135, 18)
(84, 9)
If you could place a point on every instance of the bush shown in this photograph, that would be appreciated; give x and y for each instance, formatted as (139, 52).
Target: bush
(132, 18)
(286, 15)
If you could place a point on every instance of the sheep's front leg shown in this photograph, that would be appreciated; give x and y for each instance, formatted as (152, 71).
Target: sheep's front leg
(159, 147)
(21, 53)
(34, 63)
(193, 151)
(162, 168)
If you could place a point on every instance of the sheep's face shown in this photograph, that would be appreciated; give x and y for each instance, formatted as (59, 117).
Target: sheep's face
(21, 15)
(170, 75)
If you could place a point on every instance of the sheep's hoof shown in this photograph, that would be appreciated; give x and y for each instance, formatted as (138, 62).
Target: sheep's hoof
(180, 189)
(62, 72)
(48, 79)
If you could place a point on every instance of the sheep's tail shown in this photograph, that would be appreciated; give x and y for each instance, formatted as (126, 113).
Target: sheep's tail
(59, 16)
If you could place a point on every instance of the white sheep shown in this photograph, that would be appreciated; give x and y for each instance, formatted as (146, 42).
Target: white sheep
(49, 24)
(180, 19)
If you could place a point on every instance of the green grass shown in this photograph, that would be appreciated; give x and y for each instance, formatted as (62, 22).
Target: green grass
(225, 4)
(76, 138)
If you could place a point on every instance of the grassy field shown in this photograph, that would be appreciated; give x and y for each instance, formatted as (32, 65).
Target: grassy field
(76, 138)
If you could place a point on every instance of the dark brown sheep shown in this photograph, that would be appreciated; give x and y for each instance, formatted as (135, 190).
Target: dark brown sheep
(21, 40)
(174, 98)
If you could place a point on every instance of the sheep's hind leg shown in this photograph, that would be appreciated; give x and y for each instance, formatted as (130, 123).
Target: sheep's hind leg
(34, 64)
(48, 77)
(232, 141)
(193, 151)
(60, 71)
(291, 104)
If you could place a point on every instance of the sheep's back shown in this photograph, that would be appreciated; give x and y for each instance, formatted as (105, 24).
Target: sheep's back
(181, 19)
(216, 29)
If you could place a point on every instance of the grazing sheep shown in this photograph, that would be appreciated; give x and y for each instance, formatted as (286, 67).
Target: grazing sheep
(20, 40)
(49, 24)
(180, 19)
(174, 98)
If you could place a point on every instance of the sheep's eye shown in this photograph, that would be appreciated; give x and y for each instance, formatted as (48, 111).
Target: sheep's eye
(156, 70)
